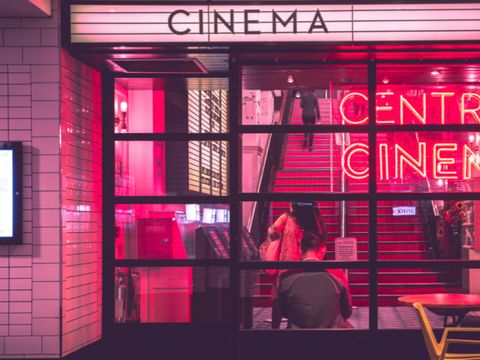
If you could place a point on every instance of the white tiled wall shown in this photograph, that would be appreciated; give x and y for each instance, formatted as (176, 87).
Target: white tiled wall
(81, 204)
(30, 112)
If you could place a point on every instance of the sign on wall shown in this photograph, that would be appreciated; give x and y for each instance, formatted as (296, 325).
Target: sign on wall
(273, 23)
(404, 211)
(6, 193)
(346, 249)
(10, 193)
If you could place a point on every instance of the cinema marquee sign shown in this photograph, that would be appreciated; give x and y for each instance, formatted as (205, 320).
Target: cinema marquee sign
(127, 24)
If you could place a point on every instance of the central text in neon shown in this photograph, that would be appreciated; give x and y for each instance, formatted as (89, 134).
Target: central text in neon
(425, 108)
(438, 160)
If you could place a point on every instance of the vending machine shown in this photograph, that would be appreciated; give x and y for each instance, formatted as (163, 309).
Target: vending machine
(159, 238)
(167, 290)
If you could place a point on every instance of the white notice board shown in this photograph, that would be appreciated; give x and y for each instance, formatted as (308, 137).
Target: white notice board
(6, 193)
(346, 249)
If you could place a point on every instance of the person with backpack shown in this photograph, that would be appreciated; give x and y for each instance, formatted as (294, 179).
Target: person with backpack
(289, 229)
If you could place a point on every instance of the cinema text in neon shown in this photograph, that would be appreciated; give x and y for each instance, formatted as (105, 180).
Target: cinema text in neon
(446, 160)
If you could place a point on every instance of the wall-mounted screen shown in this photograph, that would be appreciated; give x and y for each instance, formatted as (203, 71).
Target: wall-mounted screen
(192, 212)
(10, 192)
(208, 216)
(222, 216)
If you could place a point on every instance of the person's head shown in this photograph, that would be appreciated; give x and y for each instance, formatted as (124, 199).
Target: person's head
(305, 214)
(297, 206)
(313, 245)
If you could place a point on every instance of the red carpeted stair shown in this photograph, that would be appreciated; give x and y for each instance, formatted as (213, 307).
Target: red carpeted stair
(399, 237)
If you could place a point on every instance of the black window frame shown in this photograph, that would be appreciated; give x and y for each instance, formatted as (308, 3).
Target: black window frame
(235, 198)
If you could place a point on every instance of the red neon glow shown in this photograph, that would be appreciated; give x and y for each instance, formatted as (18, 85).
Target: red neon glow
(384, 165)
(347, 161)
(469, 158)
(405, 103)
(440, 161)
(345, 101)
(385, 108)
(412, 106)
(465, 110)
(402, 158)
(442, 96)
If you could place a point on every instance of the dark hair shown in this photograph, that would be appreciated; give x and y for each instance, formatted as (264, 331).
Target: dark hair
(305, 215)
(312, 241)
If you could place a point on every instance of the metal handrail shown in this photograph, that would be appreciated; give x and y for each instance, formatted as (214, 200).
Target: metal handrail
(271, 161)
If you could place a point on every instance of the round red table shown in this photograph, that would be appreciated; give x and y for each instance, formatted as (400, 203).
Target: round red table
(454, 305)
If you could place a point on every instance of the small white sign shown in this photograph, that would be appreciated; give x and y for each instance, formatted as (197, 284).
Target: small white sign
(346, 249)
(404, 211)
(6, 193)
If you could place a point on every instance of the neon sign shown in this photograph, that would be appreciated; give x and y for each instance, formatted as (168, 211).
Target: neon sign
(445, 160)
(422, 109)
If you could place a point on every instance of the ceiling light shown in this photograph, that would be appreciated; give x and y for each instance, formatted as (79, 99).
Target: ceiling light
(435, 73)
(290, 79)
(385, 80)
(297, 94)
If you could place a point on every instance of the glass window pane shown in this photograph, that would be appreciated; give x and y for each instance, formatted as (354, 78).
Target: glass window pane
(257, 299)
(427, 229)
(428, 161)
(172, 295)
(273, 95)
(172, 231)
(195, 105)
(144, 168)
(344, 223)
(336, 162)
(428, 94)
(398, 289)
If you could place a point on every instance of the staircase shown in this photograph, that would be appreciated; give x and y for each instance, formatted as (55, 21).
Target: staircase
(399, 237)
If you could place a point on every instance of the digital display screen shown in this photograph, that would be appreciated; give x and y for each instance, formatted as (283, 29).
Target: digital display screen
(6, 193)
(192, 212)
(223, 216)
(208, 216)
(11, 223)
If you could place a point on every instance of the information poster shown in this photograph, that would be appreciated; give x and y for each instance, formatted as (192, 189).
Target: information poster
(6, 193)
(346, 249)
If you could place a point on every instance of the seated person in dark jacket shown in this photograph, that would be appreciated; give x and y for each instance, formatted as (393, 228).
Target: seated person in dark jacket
(314, 299)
